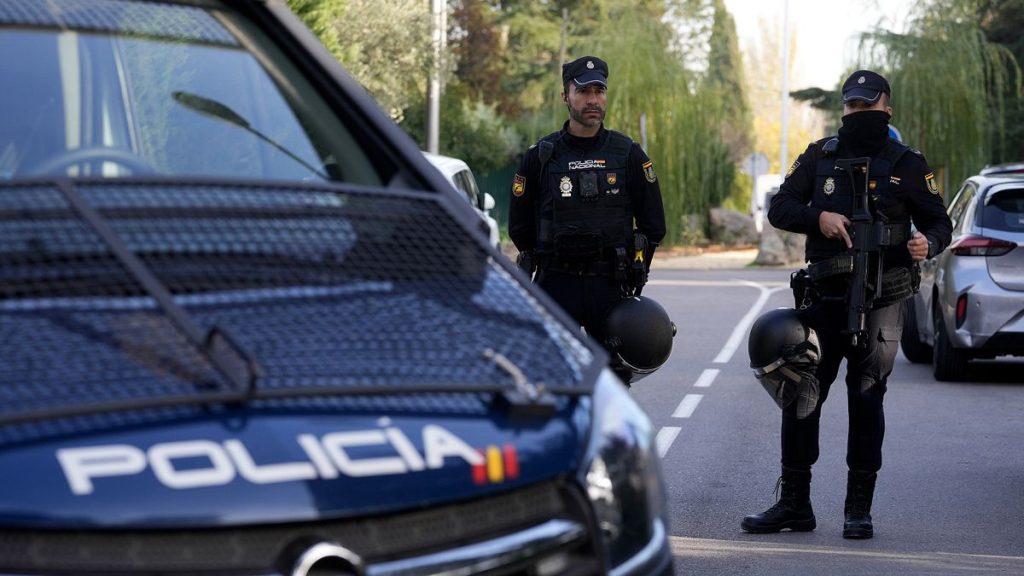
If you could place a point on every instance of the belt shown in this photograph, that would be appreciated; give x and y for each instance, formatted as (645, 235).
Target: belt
(841, 264)
(598, 268)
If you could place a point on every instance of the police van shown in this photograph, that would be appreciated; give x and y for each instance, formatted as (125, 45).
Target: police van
(247, 329)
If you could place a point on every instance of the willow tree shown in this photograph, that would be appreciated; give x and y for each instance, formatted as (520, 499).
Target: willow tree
(949, 85)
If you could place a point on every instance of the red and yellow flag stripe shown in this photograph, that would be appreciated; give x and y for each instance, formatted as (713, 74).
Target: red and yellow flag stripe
(499, 464)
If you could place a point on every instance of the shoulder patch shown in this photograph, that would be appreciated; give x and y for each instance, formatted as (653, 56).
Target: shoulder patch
(929, 179)
(649, 172)
(518, 185)
(796, 163)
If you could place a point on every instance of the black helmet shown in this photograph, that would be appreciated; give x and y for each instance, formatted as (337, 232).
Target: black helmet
(638, 333)
(784, 353)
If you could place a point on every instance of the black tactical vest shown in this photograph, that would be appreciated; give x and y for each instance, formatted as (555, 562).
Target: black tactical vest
(833, 192)
(586, 211)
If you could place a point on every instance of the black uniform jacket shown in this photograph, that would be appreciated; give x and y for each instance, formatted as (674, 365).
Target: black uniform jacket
(527, 192)
(910, 194)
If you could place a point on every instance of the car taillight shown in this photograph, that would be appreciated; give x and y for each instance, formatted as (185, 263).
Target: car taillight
(961, 310)
(973, 245)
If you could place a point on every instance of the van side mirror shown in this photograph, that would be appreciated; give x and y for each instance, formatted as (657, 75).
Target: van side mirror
(488, 201)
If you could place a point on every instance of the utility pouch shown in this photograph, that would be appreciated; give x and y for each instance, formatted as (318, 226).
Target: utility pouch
(527, 262)
(804, 294)
(897, 284)
(621, 264)
(579, 246)
(588, 187)
(638, 263)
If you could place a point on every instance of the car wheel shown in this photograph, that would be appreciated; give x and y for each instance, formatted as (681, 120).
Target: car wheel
(948, 363)
(913, 348)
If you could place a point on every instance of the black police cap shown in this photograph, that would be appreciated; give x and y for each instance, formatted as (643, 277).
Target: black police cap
(865, 85)
(586, 71)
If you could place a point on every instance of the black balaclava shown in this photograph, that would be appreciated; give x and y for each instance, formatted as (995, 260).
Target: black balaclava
(866, 132)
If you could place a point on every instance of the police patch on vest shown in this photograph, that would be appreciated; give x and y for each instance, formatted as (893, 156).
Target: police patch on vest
(829, 187)
(565, 186)
(518, 185)
(649, 172)
(929, 179)
(894, 180)
(586, 164)
(872, 184)
(612, 179)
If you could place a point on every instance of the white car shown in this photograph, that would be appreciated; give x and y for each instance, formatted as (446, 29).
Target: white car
(461, 177)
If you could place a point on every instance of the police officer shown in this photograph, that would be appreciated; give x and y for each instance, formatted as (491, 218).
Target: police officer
(574, 202)
(816, 199)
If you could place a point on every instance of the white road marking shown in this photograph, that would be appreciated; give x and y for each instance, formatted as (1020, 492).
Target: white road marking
(707, 377)
(937, 561)
(713, 283)
(687, 405)
(666, 436)
(741, 329)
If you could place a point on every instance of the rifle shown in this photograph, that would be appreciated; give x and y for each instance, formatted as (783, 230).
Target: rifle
(868, 238)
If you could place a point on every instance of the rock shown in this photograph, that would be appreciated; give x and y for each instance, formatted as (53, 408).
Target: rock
(780, 248)
(731, 228)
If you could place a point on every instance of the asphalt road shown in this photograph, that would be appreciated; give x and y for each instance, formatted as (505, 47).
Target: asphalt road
(950, 495)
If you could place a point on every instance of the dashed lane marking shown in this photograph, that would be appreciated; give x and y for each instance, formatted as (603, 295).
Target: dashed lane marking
(687, 405)
(707, 378)
(666, 436)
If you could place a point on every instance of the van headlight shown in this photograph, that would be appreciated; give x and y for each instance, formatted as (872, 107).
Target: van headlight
(622, 474)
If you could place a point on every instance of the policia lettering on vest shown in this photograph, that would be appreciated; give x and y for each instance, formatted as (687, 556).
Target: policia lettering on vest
(586, 213)
(855, 196)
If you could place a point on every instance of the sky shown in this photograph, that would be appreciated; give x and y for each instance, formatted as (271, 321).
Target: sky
(826, 31)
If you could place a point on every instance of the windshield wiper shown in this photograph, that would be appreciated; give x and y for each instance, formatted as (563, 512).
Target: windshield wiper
(222, 351)
(214, 109)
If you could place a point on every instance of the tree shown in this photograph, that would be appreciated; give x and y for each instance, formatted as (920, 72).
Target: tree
(950, 86)
(764, 69)
(725, 80)
(1002, 22)
(386, 46)
(478, 50)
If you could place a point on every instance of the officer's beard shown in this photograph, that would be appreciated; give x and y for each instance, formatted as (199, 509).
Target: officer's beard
(581, 117)
(865, 132)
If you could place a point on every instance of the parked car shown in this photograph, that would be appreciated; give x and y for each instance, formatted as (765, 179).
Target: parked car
(461, 178)
(248, 329)
(971, 302)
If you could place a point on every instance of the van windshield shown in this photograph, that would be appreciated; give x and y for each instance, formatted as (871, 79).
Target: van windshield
(101, 90)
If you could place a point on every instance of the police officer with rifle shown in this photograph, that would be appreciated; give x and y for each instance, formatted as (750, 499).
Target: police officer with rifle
(855, 196)
(586, 216)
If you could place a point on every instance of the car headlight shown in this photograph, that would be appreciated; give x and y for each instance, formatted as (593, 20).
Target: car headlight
(622, 474)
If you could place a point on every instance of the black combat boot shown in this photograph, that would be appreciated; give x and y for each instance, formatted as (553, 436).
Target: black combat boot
(793, 510)
(860, 487)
